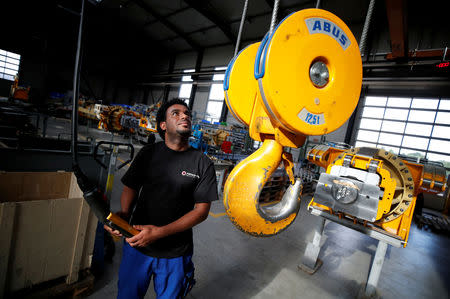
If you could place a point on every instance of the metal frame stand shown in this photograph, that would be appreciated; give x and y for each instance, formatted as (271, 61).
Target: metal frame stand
(111, 170)
(113, 153)
(310, 261)
(375, 270)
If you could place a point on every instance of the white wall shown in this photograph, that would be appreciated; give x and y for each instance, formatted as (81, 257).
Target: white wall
(212, 57)
(185, 61)
(173, 93)
(338, 135)
(200, 102)
(233, 121)
(217, 56)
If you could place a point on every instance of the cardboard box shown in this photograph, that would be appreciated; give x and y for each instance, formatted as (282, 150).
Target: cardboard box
(47, 230)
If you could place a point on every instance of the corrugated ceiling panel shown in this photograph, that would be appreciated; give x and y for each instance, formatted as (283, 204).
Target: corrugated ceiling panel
(254, 29)
(134, 14)
(209, 38)
(175, 45)
(190, 20)
(159, 31)
(233, 9)
(165, 7)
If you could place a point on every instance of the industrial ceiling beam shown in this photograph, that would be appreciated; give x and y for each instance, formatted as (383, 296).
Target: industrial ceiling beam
(420, 54)
(168, 15)
(285, 10)
(201, 7)
(166, 23)
(396, 14)
(249, 18)
(203, 29)
(198, 65)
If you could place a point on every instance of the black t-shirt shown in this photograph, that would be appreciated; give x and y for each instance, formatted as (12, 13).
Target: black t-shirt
(169, 184)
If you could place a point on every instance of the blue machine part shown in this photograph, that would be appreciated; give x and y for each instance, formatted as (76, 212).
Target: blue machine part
(196, 141)
(121, 105)
(140, 108)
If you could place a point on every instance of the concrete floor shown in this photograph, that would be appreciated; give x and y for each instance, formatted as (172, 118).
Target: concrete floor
(231, 264)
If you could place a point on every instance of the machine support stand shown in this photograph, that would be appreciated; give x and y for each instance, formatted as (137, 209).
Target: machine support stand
(375, 270)
(111, 170)
(310, 262)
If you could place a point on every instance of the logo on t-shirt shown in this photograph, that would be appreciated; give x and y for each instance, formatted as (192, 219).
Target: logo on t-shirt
(188, 174)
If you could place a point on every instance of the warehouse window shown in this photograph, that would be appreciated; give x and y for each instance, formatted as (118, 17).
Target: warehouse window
(416, 127)
(216, 97)
(9, 65)
(185, 88)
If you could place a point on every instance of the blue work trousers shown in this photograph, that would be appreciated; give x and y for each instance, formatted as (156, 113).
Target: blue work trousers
(171, 276)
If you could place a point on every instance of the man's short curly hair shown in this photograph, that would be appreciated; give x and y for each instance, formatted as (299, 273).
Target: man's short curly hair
(161, 114)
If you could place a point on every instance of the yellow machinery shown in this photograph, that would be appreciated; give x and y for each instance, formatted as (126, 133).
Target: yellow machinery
(119, 119)
(19, 92)
(111, 118)
(148, 118)
(372, 187)
(148, 123)
(304, 78)
(86, 109)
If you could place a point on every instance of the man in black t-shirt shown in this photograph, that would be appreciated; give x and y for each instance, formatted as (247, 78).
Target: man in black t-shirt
(168, 189)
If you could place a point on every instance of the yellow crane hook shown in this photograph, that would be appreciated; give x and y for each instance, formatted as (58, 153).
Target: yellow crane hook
(306, 81)
(244, 185)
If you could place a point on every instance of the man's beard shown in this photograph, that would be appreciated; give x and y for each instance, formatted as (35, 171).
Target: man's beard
(185, 132)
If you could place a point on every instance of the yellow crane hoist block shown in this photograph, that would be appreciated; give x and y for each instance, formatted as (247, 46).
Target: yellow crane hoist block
(302, 79)
(309, 72)
(240, 86)
(373, 187)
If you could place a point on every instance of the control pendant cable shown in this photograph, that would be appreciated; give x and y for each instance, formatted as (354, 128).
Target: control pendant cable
(93, 196)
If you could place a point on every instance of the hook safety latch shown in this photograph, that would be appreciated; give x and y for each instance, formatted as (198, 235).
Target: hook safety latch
(288, 166)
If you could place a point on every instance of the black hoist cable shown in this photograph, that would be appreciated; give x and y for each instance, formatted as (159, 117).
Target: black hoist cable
(93, 196)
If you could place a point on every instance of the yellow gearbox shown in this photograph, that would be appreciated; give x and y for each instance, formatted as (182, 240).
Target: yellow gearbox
(373, 187)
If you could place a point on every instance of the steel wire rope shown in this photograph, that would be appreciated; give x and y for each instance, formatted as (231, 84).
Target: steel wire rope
(241, 26)
(318, 4)
(76, 90)
(274, 16)
(362, 43)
